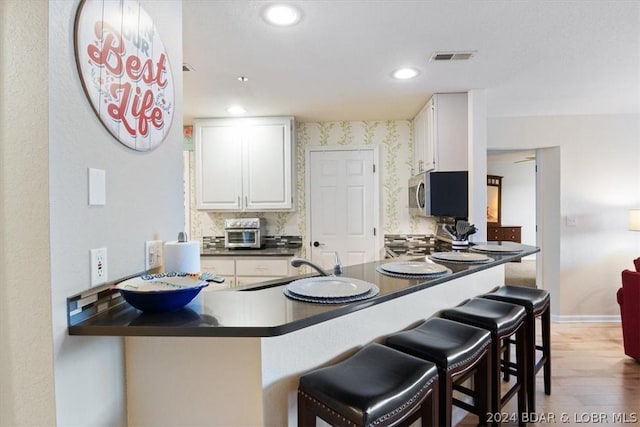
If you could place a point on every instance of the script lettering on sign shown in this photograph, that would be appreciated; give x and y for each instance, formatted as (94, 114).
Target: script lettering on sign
(125, 71)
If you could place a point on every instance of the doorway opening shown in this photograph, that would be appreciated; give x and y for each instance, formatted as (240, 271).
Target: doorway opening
(515, 220)
(547, 220)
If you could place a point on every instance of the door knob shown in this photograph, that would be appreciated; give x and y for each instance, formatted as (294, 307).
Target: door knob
(316, 244)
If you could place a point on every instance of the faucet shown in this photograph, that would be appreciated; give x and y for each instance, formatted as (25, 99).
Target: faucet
(337, 268)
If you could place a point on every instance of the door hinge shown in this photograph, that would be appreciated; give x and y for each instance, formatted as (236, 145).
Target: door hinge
(374, 231)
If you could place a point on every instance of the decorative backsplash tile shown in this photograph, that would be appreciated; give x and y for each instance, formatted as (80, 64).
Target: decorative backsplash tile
(408, 244)
(217, 242)
(92, 302)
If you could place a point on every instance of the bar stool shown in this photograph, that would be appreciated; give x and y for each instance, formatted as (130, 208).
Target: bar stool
(377, 386)
(459, 351)
(537, 303)
(502, 320)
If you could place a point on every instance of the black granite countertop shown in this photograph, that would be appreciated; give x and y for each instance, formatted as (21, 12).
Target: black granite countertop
(260, 310)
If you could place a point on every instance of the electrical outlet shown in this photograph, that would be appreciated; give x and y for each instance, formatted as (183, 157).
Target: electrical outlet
(98, 266)
(153, 254)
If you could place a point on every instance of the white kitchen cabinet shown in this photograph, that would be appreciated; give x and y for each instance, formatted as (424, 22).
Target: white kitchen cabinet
(440, 132)
(243, 270)
(220, 267)
(423, 153)
(244, 164)
(256, 270)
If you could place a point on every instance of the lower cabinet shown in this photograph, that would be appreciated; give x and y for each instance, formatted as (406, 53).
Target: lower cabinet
(224, 267)
(255, 270)
(241, 271)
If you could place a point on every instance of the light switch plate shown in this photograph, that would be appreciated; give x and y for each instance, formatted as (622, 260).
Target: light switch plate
(153, 254)
(97, 187)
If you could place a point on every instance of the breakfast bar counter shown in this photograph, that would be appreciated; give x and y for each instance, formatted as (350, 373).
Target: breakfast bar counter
(233, 357)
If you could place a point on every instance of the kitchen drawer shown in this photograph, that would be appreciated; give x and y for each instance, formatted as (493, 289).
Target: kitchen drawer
(505, 234)
(262, 267)
(221, 267)
(512, 234)
(494, 234)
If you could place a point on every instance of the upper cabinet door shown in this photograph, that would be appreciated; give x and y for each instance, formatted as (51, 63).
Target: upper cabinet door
(419, 138)
(268, 163)
(451, 131)
(424, 139)
(440, 132)
(244, 164)
(431, 131)
(218, 167)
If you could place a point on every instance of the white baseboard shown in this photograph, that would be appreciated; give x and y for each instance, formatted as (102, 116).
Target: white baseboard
(586, 318)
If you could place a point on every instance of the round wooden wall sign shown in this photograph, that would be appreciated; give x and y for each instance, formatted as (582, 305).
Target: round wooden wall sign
(125, 71)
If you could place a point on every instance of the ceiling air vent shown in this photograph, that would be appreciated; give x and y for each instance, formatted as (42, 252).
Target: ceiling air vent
(451, 56)
(186, 67)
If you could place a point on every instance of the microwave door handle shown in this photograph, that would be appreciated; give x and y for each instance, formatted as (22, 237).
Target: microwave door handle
(418, 195)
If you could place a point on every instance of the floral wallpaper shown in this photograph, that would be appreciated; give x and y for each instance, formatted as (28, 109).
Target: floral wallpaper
(395, 139)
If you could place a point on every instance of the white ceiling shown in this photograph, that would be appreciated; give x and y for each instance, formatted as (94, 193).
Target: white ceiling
(534, 57)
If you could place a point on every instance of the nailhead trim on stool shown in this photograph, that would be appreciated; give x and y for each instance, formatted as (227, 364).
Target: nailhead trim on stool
(537, 303)
(377, 386)
(459, 351)
(502, 320)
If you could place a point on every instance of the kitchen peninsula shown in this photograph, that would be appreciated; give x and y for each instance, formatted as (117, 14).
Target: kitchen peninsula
(233, 357)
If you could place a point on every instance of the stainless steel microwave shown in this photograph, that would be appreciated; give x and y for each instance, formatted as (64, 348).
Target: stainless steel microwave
(441, 194)
(244, 233)
(417, 198)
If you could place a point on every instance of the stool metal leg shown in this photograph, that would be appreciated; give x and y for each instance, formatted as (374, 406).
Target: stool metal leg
(446, 397)
(483, 388)
(429, 408)
(530, 325)
(306, 412)
(546, 344)
(521, 354)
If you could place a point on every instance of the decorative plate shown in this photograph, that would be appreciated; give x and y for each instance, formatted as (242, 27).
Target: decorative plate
(416, 268)
(503, 249)
(329, 287)
(370, 294)
(463, 257)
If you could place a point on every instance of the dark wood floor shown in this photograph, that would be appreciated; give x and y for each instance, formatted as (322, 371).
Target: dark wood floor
(593, 381)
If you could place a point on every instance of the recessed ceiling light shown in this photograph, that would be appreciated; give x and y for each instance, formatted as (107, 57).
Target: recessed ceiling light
(243, 78)
(236, 110)
(282, 15)
(405, 73)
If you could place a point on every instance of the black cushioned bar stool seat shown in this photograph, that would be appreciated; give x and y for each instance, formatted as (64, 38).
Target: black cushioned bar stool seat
(502, 320)
(377, 386)
(537, 303)
(459, 351)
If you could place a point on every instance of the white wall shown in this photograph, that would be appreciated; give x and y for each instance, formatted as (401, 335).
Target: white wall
(144, 202)
(26, 368)
(46, 219)
(599, 183)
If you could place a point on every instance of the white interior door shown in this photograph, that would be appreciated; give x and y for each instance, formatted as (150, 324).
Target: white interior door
(342, 206)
